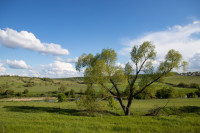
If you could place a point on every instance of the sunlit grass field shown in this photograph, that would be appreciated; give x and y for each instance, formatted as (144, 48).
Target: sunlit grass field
(176, 79)
(17, 84)
(47, 117)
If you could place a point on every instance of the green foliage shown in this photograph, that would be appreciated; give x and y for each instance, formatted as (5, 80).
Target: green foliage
(166, 93)
(26, 91)
(128, 71)
(88, 101)
(5, 86)
(192, 95)
(198, 92)
(29, 84)
(47, 79)
(19, 94)
(149, 93)
(146, 50)
(184, 85)
(194, 85)
(72, 93)
(62, 89)
(9, 93)
(2, 91)
(101, 69)
(112, 103)
(61, 97)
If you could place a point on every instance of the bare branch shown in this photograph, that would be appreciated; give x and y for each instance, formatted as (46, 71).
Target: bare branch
(148, 85)
(108, 89)
(105, 98)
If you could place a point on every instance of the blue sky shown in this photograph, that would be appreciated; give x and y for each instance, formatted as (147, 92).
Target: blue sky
(45, 37)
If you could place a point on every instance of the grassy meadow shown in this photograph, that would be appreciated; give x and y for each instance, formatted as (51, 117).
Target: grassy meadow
(181, 115)
(41, 87)
(45, 117)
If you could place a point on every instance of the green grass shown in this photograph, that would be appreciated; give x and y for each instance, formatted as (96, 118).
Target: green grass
(17, 84)
(176, 79)
(45, 117)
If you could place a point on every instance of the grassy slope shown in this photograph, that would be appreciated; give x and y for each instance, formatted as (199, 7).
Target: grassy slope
(21, 117)
(17, 84)
(176, 79)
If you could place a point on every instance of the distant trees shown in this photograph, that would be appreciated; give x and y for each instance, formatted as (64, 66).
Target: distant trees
(101, 69)
(166, 93)
(61, 97)
(62, 89)
(26, 91)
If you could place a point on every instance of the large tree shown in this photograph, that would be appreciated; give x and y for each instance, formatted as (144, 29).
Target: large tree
(101, 69)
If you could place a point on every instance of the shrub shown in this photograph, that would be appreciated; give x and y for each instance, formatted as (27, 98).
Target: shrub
(29, 84)
(9, 93)
(47, 99)
(2, 91)
(89, 101)
(184, 85)
(26, 91)
(62, 89)
(149, 93)
(197, 93)
(112, 103)
(61, 97)
(192, 95)
(19, 94)
(166, 93)
(194, 85)
(72, 93)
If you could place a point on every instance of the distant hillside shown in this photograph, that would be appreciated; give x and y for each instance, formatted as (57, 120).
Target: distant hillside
(71, 79)
(176, 79)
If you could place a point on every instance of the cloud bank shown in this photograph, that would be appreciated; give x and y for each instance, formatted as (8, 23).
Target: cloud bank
(2, 69)
(59, 69)
(13, 39)
(185, 39)
(15, 64)
(69, 60)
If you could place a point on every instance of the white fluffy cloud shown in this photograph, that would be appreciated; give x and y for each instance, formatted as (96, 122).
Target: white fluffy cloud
(2, 69)
(17, 64)
(67, 60)
(120, 65)
(12, 39)
(195, 62)
(59, 69)
(185, 39)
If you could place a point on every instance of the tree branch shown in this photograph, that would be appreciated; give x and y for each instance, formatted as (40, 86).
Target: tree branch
(137, 73)
(107, 89)
(118, 93)
(148, 85)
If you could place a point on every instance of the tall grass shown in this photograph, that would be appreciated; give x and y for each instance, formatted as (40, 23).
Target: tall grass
(45, 117)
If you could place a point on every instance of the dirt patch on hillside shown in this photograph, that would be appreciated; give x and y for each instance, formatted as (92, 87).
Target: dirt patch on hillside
(28, 99)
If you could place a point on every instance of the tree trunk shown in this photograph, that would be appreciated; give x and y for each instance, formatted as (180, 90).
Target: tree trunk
(127, 113)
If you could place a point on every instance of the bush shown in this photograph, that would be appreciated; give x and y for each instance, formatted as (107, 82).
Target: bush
(61, 97)
(197, 93)
(2, 91)
(9, 93)
(19, 94)
(26, 91)
(62, 89)
(184, 85)
(29, 84)
(72, 93)
(112, 103)
(149, 93)
(166, 93)
(194, 85)
(89, 101)
(192, 95)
